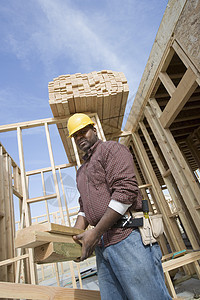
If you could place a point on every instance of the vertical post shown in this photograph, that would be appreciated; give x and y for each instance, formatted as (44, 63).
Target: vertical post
(9, 214)
(44, 193)
(76, 153)
(54, 173)
(3, 256)
(64, 196)
(99, 128)
(25, 211)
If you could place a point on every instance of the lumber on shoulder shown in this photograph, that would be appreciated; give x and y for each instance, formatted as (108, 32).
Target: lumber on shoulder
(56, 252)
(31, 291)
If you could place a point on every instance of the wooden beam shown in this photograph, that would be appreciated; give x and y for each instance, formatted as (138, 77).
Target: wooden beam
(36, 123)
(31, 124)
(185, 58)
(145, 186)
(42, 198)
(37, 238)
(166, 173)
(178, 166)
(49, 169)
(30, 291)
(155, 62)
(17, 194)
(3, 243)
(76, 153)
(25, 216)
(118, 135)
(2, 214)
(167, 82)
(12, 260)
(56, 252)
(181, 261)
(54, 172)
(52, 228)
(179, 98)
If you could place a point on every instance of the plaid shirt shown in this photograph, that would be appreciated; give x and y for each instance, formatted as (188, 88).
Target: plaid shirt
(106, 174)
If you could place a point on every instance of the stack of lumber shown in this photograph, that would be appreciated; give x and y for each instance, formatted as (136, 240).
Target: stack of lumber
(103, 92)
(51, 242)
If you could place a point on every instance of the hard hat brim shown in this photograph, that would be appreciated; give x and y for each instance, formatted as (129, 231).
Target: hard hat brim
(79, 128)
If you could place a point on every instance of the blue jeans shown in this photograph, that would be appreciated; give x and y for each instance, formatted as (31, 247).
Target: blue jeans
(129, 270)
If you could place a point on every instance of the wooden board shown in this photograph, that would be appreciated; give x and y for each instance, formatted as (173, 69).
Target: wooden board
(56, 252)
(181, 261)
(104, 92)
(39, 234)
(31, 291)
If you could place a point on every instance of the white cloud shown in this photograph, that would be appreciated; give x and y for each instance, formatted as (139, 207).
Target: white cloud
(17, 105)
(73, 37)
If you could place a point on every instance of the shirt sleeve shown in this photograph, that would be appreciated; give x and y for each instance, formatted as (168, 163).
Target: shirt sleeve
(119, 207)
(81, 210)
(120, 175)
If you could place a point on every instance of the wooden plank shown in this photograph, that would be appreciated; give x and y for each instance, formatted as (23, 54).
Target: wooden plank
(145, 186)
(179, 164)
(44, 193)
(3, 243)
(76, 152)
(49, 169)
(64, 196)
(32, 124)
(170, 285)
(41, 198)
(99, 128)
(167, 82)
(34, 239)
(181, 261)
(179, 98)
(155, 62)
(17, 194)
(52, 228)
(12, 260)
(25, 209)
(193, 147)
(172, 232)
(30, 291)
(185, 59)
(56, 252)
(54, 172)
(9, 214)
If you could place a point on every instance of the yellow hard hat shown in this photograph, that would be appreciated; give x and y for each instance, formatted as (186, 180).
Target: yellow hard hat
(77, 122)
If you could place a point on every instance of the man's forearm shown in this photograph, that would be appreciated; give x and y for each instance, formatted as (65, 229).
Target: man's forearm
(107, 221)
(81, 223)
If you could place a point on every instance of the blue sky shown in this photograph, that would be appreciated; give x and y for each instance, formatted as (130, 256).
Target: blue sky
(42, 39)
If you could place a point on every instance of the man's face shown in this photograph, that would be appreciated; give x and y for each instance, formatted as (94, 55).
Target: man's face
(85, 138)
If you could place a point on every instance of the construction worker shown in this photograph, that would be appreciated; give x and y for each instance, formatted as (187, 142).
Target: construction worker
(108, 191)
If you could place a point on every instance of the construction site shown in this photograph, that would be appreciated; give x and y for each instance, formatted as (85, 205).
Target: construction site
(162, 132)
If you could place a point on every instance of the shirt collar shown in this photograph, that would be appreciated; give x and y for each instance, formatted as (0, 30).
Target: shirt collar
(92, 150)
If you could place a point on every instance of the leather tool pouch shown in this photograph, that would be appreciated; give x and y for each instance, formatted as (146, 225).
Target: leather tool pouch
(152, 227)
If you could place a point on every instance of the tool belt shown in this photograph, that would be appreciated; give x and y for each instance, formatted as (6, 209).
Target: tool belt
(150, 227)
(129, 222)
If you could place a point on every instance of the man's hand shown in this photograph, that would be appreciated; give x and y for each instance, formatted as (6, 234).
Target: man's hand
(89, 240)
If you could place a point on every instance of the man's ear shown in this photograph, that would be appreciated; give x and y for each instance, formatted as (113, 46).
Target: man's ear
(95, 131)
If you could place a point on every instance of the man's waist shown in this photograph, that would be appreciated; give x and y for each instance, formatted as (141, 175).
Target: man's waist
(130, 220)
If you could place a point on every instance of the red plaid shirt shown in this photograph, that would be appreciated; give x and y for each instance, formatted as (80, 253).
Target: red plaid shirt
(106, 174)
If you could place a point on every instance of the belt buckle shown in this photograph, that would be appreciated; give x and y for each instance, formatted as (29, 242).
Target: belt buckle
(126, 221)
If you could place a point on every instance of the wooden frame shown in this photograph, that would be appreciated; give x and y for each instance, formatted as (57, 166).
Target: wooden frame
(30, 291)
